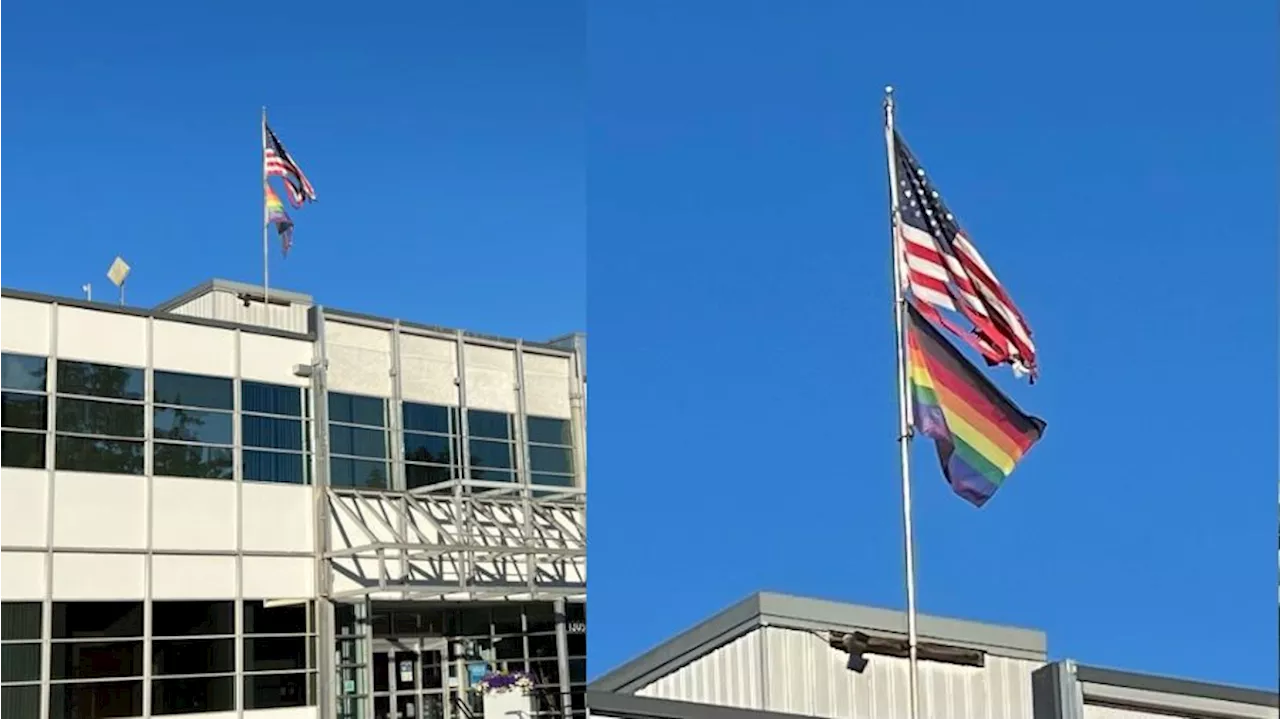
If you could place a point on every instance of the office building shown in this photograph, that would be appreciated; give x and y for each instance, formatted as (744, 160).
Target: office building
(239, 507)
(775, 656)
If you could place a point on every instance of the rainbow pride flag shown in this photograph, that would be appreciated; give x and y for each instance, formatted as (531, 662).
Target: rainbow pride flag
(277, 216)
(979, 433)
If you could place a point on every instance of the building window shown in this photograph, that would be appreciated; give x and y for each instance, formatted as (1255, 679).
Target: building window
(193, 657)
(358, 441)
(192, 425)
(279, 656)
(491, 446)
(550, 451)
(100, 418)
(430, 444)
(96, 663)
(20, 663)
(25, 411)
(275, 433)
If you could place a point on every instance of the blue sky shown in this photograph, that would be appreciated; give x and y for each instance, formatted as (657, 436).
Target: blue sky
(445, 142)
(1116, 166)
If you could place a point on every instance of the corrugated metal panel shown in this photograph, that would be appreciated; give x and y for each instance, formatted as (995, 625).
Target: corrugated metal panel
(1100, 712)
(807, 676)
(227, 307)
(729, 676)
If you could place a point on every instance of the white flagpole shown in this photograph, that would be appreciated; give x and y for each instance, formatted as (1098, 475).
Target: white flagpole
(904, 406)
(266, 245)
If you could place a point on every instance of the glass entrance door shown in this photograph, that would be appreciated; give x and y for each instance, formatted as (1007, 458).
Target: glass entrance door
(408, 679)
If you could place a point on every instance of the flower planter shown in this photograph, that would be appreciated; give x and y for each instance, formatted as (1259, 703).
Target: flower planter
(509, 704)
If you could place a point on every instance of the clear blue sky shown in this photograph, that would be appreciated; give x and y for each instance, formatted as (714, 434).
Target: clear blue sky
(1116, 164)
(445, 141)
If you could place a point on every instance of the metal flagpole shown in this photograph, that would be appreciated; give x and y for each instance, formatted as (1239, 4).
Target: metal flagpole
(266, 246)
(904, 405)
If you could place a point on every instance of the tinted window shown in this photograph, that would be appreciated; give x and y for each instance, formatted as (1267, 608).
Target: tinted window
(551, 480)
(193, 656)
(20, 620)
(356, 410)
(357, 441)
(357, 473)
(18, 449)
(550, 459)
(427, 448)
(289, 619)
(99, 380)
(110, 419)
(176, 619)
(266, 691)
(426, 418)
(271, 432)
(27, 411)
(496, 455)
(98, 700)
(20, 663)
(190, 460)
(192, 425)
(549, 431)
(416, 475)
(192, 390)
(274, 467)
(24, 372)
(193, 694)
(275, 653)
(76, 620)
(97, 660)
(270, 399)
(494, 425)
(98, 455)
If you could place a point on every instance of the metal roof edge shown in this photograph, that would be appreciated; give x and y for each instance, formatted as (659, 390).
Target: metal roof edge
(1177, 686)
(339, 314)
(630, 706)
(685, 647)
(806, 612)
(156, 313)
(216, 283)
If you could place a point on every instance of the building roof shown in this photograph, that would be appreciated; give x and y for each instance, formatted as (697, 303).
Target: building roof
(239, 288)
(781, 610)
(627, 706)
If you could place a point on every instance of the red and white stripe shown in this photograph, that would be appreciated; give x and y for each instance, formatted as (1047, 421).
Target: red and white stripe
(277, 166)
(962, 282)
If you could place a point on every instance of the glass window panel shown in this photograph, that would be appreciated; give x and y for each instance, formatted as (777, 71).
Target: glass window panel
(105, 419)
(576, 645)
(21, 449)
(194, 694)
(541, 617)
(98, 455)
(179, 619)
(193, 656)
(81, 620)
(545, 430)
(99, 700)
(542, 645)
(193, 390)
(96, 660)
(578, 673)
(267, 691)
(189, 460)
(496, 455)
(271, 432)
(20, 662)
(357, 441)
(20, 620)
(427, 417)
(551, 459)
(259, 619)
(575, 613)
(492, 475)
(368, 473)
(356, 409)
(193, 425)
(495, 425)
(506, 619)
(416, 475)
(551, 480)
(24, 372)
(275, 653)
(20, 702)
(274, 467)
(545, 672)
(99, 380)
(28, 411)
(270, 398)
(427, 448)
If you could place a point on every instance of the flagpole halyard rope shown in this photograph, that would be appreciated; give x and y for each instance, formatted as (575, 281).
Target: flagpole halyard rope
(904, 406)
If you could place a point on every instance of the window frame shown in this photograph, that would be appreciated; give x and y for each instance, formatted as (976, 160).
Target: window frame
(355, 459)
(138, 444)
(42, 433)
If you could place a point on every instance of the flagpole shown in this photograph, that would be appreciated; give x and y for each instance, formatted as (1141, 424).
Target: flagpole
(904, 408)
(266, 246)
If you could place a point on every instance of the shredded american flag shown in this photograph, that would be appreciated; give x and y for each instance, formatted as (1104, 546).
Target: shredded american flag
(943, 271)
(278, 163)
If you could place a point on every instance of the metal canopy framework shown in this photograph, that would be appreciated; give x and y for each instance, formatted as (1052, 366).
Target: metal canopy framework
(411, 546)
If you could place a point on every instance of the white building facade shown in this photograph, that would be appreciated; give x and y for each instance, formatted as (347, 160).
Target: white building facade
(235, 508)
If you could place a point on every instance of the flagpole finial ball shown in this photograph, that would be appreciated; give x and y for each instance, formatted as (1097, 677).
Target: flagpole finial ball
(888, 89)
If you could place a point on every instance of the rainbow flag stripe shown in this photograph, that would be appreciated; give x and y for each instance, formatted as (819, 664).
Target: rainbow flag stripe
(980, 434)
(277, 216)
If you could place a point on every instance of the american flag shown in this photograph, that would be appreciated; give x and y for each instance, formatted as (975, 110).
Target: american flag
(943, 271)
(278, 163)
